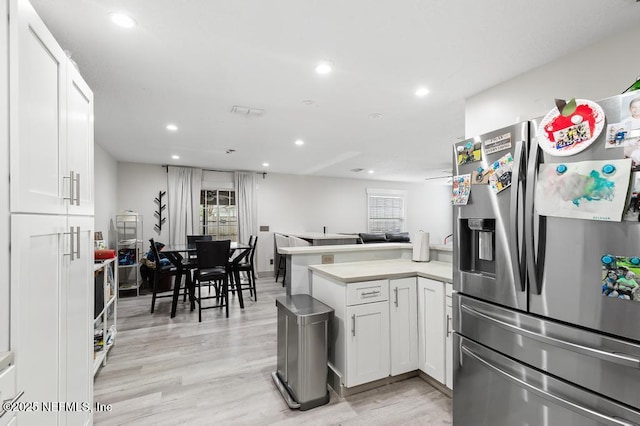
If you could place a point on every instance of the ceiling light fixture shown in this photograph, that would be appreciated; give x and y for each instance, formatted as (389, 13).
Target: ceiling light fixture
(122, 20)
(370, 172)
(265, 164)
(324, 67)
(308, 102)
(422, 91)
(375, 116)
(172, 127)
(175, 157)
(299, 142)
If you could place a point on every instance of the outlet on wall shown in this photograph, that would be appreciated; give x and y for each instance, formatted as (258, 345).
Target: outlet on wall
(270, 261)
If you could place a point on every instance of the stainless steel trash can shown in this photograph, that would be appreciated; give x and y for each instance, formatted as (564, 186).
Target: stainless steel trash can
(303, 335)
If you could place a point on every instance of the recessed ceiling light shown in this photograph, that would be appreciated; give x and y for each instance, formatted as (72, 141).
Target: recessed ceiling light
(370, 172)
(324, 67)
(375, 116)
(299, 142)
(175, 157)
(422, 91)
(308, 102)
(122, 20)
(172, 127)
(265, 164)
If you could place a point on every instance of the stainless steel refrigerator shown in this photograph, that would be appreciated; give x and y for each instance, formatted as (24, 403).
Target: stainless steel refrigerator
(541, 337)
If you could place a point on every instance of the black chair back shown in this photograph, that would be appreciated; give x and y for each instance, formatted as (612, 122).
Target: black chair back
(213, 254)
(155, 252)
(253, 242)
(191, 240)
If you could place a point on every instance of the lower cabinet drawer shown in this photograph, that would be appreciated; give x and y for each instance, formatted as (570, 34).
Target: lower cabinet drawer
(367, 292)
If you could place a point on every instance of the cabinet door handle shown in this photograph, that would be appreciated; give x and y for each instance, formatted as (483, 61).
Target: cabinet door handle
(74, 242)
(353, 325)
(72, 179)
(395, 290)
(78, 192)
(448, 322)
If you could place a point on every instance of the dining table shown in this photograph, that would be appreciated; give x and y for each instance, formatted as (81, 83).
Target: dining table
(176, 254)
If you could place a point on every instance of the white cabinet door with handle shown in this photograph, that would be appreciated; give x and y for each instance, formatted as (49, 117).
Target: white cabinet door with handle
(367, 343)
(431, 327)
(403, 316)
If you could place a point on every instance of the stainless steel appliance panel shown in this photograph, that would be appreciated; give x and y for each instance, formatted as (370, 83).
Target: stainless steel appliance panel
(606, 365)
(563, 255)
(497, 276)
(493, 390)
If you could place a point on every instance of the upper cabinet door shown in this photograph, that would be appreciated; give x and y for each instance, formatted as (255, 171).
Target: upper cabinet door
(37, 76)
(80, 143)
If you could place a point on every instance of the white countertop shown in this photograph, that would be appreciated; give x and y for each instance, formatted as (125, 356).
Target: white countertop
(320, 235)
(350, 272)
(344, 248)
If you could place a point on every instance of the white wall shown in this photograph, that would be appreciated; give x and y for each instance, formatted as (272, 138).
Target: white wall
(599, 71)
(138, 186)
(291, 203)
(106, 187)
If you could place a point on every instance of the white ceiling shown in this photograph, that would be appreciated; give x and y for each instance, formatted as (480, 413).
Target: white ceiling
(189, 62)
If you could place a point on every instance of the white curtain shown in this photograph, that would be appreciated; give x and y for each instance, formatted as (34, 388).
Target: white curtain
(245, 184)
(183, 193)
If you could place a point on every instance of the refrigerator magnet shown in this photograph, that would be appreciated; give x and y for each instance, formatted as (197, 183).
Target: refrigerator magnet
(500, 173)
(499, 143)
(480, 176)
(619, 277)
(469, 152)
(461, 189)
(572, 130)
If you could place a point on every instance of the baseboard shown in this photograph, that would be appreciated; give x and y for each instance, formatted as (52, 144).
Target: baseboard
(436, 384)
(335, 382)
(265, 274)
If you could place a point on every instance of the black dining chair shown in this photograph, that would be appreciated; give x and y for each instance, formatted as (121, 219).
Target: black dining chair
(213, 267)
(162, 271)
(244, 263)
(190, 262)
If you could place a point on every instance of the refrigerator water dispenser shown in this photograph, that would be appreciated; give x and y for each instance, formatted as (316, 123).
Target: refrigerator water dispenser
(477, 245)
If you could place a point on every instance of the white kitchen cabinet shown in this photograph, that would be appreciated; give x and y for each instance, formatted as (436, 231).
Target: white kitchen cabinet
(431, 328)
(51, 222)
(7, 392)
(367, 343)
(448, 349)
(51, 260)
(51, 122)
(403, 320)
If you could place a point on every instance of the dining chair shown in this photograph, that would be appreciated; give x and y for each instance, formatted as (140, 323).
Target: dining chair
(244, 263)
(190, 261)
(281, 242)
(160, 272)
(212, 267)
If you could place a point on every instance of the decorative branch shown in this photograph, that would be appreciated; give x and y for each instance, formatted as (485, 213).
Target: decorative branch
(158, 213)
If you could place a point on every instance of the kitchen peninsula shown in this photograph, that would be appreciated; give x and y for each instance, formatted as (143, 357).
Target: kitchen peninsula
(392, 320)
(298, 259)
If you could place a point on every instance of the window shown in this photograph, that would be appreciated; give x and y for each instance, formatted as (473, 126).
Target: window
(386, 210)
(219, 214)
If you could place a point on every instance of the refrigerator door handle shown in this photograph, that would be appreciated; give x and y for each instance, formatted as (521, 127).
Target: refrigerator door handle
(572, 406)
(516, 252)
(621, 359)
(534, 270)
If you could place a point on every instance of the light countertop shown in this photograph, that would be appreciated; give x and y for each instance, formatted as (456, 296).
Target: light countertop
(356, 247)
(320, 235)
(350, 272)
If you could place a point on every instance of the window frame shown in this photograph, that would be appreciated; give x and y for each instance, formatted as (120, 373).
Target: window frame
(387, 193)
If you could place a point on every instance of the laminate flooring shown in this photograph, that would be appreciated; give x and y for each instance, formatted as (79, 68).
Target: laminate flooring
(164, 371)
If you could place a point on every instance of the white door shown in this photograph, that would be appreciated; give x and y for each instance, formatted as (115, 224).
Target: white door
(431, 326)
(80, 143)
(448, 364)
(37, 74)
(76, 307)
(367, 343)
(38, 246)
(403, 316)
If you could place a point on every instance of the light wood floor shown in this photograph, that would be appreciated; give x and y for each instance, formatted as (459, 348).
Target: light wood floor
(165, 371)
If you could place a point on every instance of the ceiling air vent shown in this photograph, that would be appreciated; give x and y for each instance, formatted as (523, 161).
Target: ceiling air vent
(356, 170)
(256, 112)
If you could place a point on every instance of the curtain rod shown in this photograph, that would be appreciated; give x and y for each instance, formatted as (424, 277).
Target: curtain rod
(166, 166)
